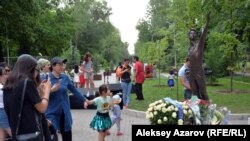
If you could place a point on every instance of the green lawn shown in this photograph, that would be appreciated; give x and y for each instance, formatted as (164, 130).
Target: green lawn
(237, 103)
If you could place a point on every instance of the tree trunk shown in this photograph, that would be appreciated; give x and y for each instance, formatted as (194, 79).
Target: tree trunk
(1, 52)
(24, 46)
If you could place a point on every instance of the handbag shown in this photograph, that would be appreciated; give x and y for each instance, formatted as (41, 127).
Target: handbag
(35, 136)
(49, 132)
(133, 89)
(53, 134)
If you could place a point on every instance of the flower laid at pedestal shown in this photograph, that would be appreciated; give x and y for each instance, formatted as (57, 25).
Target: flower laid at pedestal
(169, 112)
(194, 111)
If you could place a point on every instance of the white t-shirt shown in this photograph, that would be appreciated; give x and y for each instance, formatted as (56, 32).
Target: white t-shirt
(76, 78)
(181, 73)
(170, 76)
(1, 96)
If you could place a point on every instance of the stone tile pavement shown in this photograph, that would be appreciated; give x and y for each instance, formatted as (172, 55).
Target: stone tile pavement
(82, 118)
(82, 131)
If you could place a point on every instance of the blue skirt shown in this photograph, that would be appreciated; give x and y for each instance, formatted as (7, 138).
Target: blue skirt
(171, 82)
(101, 122)
(4, 123)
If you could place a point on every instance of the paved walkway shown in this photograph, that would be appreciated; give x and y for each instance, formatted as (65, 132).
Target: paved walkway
(82, 131)
(241, 73)
(82, 118)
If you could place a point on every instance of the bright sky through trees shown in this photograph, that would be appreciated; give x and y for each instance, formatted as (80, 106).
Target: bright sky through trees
(126, 14)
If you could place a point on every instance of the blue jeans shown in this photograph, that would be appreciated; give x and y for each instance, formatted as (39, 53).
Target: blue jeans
(126, 90)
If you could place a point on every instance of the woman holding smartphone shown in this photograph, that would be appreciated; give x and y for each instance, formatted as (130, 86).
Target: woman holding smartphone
(58, 112)
(25, 69)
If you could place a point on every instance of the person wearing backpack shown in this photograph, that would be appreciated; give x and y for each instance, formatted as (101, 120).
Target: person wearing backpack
(118, 73)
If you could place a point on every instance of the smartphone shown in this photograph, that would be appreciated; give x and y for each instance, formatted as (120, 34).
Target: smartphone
(46, 77)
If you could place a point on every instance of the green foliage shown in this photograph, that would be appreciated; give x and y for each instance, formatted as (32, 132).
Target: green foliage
(214, 51)
(36, 26)
(43, 27)
(105, 66)
(95, 33)
(169, 22)
(145, 34)
(97, 62)
(73, 56)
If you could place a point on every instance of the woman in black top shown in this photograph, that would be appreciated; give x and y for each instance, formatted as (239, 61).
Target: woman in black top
(34, 100)
(126, 83)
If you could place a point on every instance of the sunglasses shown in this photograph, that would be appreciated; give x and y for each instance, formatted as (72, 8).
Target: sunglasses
(7, 70)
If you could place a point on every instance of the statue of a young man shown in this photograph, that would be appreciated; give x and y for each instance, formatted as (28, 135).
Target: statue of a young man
(195, 54)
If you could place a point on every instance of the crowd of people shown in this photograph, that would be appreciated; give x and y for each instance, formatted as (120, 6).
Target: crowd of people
(45, 85)
(48, 83)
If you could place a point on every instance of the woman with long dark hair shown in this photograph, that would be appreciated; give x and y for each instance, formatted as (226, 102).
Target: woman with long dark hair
(4, 123)
(126, 83)
(34, 100)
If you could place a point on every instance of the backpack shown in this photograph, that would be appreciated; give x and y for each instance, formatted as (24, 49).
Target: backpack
(118, 72)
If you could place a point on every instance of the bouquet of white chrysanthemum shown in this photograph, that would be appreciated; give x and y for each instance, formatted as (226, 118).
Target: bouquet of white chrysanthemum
(169, 112)
(188, 117)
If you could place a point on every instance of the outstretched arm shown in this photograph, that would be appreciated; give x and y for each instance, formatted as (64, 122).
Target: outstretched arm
(204, 34)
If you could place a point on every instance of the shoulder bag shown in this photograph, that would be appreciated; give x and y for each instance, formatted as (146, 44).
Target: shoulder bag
(35, 136)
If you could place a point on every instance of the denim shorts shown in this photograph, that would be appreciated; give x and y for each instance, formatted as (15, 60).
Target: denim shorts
(4, 123)
(89, 76)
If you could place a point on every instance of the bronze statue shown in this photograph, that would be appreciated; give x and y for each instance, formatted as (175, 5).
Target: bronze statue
(195, 54)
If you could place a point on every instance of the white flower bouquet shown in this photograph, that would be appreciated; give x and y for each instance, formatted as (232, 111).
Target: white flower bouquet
(169, 112)
(195, 111)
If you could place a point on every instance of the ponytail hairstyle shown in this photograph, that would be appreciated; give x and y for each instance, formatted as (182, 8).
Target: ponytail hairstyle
(102, 88)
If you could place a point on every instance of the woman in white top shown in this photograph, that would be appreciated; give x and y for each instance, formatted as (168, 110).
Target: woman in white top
(76, 72)
(4, 123)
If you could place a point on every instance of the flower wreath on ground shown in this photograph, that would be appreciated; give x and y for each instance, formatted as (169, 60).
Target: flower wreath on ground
(191, 112)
